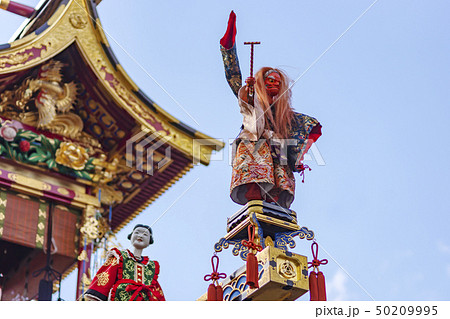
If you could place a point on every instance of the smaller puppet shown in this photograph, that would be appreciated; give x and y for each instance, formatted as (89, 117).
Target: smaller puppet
(128, 275)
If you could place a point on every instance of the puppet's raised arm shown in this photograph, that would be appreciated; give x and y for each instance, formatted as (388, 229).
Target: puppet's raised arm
(229, 55)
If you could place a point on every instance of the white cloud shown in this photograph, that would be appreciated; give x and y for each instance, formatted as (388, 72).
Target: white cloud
(337, 286)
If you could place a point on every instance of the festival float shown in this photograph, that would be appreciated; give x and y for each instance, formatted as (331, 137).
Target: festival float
(83, 150)
(269, 149)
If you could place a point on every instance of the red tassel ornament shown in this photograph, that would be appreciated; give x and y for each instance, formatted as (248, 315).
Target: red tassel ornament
(215, 291)
(317, 289)
(252, 262)
(313, 287)
(219, 293)
(321, 286)
(212, 294)
(252, 271)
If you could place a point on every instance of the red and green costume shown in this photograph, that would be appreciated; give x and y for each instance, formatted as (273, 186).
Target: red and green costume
(123, 277)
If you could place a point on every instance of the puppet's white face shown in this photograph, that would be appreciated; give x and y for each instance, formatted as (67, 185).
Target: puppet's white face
(140, 238)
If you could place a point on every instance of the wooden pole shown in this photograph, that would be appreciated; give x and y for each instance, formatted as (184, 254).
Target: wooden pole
(250, 87)
(17, 8)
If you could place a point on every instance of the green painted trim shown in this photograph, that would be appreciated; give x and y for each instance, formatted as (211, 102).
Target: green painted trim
(41, 225)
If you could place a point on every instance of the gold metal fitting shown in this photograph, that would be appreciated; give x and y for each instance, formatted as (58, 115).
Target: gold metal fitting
(4, 4)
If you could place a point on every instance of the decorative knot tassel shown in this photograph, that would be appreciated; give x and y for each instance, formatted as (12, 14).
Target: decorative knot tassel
(215, 292)
(317, 280)
(212, 294)
(219, 293)
(252, 271)
(321, 286)
(252, 262)
(313, 287)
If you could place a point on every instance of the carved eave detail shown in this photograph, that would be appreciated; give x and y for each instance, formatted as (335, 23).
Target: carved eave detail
(74, 22)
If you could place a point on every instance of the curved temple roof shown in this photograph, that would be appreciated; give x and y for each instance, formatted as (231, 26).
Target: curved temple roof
(70, 31)
(63, 48)
(62, 24)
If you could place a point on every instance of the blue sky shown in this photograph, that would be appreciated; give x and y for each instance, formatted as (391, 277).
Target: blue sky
(379, 206)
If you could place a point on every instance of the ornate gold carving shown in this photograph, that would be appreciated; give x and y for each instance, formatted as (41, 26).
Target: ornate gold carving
(53, 95)
(69, 124)
(109, 195)
(288, 269)
(90, 224)
(89, 228)
(83, 256)
(14, 99)
(103, 227)
(90, 211)
(94, 225)
(71, 155)
(77, 20)
(21, 57)
(86, 281)
(105, 172)
(62, 32)
(15, 59)
(53, 101)
(269, 241)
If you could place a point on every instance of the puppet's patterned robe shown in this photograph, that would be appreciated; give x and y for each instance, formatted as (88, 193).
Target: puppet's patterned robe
(255, 158)
(123, 277)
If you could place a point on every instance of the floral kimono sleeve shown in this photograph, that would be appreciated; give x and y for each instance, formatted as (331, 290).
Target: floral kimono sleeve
(305, 131)
(104, 279)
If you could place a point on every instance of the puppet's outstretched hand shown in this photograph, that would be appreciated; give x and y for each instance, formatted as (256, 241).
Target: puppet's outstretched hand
(229, 37)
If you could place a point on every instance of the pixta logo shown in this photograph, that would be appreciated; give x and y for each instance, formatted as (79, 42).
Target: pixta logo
(148, 153)
(279, 148)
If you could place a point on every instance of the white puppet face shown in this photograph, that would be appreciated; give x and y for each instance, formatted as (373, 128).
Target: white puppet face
(140, 238)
